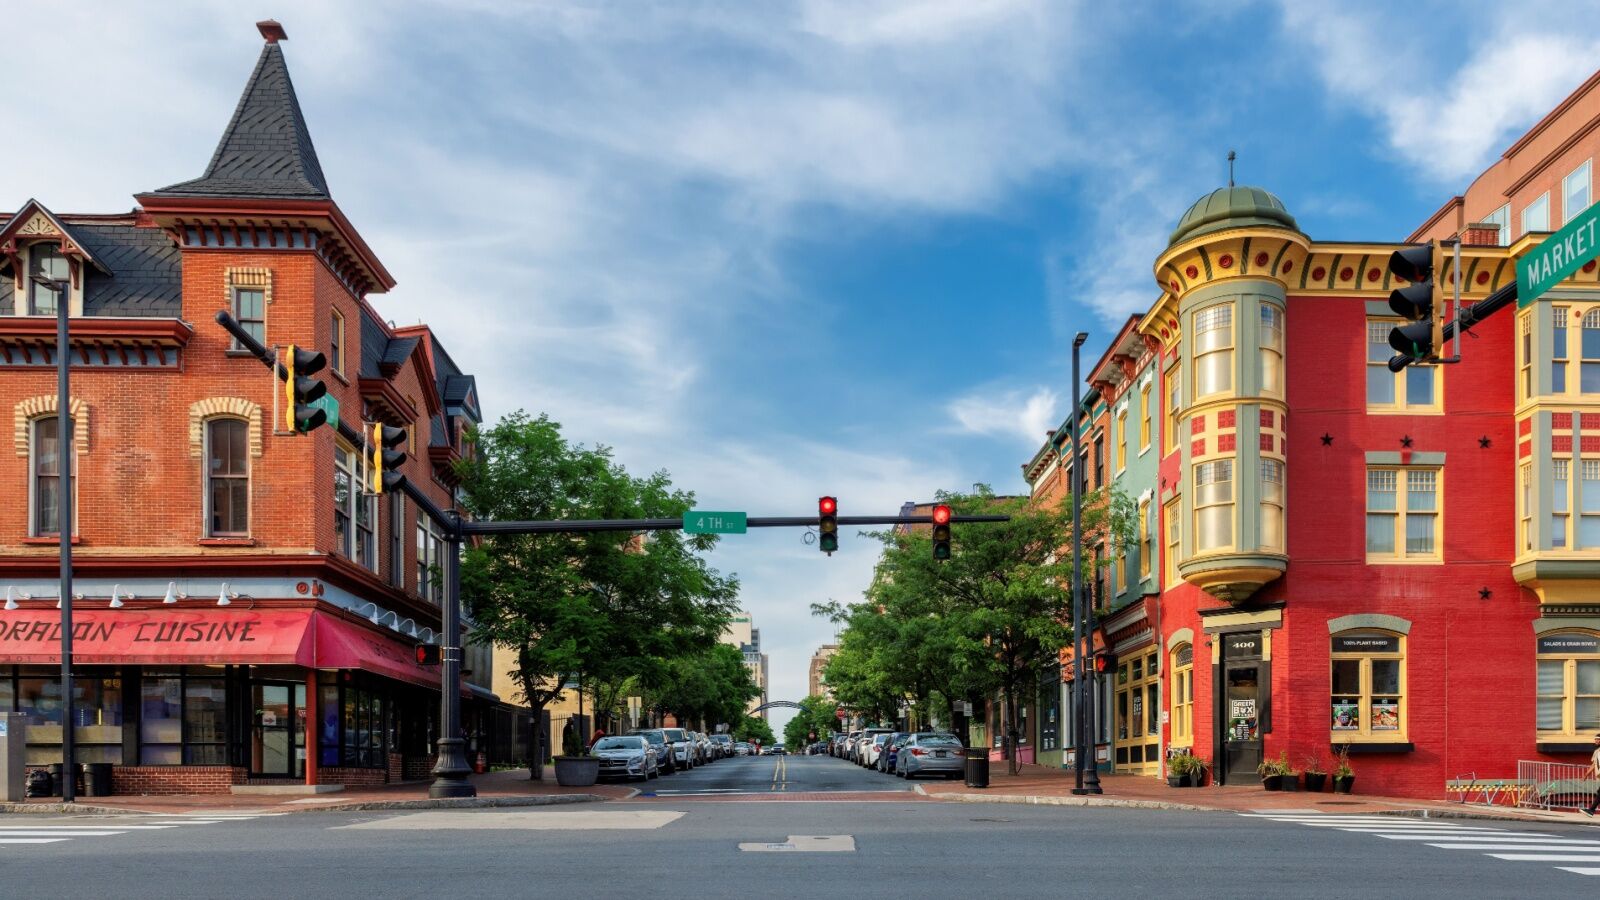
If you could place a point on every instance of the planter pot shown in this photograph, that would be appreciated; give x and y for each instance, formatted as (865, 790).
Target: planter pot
(1178, 780)
(577, 771)
(1316, 782)
(1272, 782)
(1343, 785)
(1290, 782)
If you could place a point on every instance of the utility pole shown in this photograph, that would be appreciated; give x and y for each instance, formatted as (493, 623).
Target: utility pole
(1081, 748)
(66, 442)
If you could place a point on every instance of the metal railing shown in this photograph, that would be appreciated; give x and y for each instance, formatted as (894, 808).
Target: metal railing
(1548, 785)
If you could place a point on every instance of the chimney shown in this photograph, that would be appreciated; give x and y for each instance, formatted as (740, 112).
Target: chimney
(1482, 234)
(272, 31)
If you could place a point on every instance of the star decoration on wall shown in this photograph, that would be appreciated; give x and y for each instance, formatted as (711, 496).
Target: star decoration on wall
(1405, 441)
(1484, 593)
(1484, 442)
(1327, 440)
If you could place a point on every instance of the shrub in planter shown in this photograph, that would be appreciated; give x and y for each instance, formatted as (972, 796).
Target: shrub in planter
(1316, 774)
(1344, 777)
(1276, 774)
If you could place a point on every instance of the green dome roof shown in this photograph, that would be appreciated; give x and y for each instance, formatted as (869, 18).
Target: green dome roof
(1232, 207)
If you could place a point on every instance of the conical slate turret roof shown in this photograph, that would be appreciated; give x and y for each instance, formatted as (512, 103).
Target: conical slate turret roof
(266, 150)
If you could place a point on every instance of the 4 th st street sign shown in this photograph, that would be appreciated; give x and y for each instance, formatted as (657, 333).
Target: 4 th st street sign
(1560, 255)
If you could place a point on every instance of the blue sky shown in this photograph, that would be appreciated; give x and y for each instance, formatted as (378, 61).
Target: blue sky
(783, 249)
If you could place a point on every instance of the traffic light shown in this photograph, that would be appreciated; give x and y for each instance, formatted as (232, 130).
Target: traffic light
(428, 654)
(1105, 663)
(1421, 302)
(299, 392)
(386, 461)
(828, 524)
(941, 532)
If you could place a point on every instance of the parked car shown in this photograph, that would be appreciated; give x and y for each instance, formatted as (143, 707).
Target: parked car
(627, 756)
(778, 750)
(850, 745)
(872, 748)
(891, 747)
(724, 744)
(864, 745)
(930, 753)
(701, 747)
(657, 738)
(742, 749)
(836, 746)
(682, 751)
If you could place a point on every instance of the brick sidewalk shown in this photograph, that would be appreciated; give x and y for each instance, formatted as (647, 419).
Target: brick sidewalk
(1051, 784)
(494, 785)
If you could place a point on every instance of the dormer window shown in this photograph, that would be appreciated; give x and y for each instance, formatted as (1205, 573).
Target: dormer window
(46, 262)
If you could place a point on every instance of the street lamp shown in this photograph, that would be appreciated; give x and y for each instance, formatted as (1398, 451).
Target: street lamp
(1086, 775)
(66, 441)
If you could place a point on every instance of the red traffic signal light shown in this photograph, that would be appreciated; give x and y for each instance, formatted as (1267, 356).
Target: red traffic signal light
(827, 524)
(1104, 663)
(941, 532)
(941, 514)
(827, 506)
(428, 654)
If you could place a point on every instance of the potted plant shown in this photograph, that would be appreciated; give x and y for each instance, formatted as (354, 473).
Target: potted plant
(1344, 777)
(1316, 774)
(575, 767)
(1271, 774)
(1179, 771)
(1197, 771)
(1291, 776)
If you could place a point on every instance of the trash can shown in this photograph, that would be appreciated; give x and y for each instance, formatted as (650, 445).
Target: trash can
(55, 779)
(977, 767)
(98, 779)
(39, 783)
(58, 781)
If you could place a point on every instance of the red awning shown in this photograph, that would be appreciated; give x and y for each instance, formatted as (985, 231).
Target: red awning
(155, 637)
(345, 645)
(215, 636)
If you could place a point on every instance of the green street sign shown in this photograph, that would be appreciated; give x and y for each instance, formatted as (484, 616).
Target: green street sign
(327, 403)
(1560, 255)
(706, 522)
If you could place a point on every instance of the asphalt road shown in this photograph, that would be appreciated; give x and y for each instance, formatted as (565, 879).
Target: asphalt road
(767, 846)
(759, 775)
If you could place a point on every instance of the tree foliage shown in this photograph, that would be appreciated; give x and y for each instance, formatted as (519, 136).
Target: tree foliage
(754, 728)
(816, 716)
(985, 622)
(596, 606)
(705, 689)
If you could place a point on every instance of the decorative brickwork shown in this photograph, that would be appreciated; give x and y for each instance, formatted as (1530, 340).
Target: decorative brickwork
(1227, 419)
(1197, 425)
(1198, 448)
(1561, 443)
(201, 410)
(351, 776)
(1561, 421)
(45, 405)
(175, 779)
(1267, 418)
(1266, 442)
(1226, 443)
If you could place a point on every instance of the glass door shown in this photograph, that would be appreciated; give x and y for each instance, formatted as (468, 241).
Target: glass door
(1242, 737)
(277, 743)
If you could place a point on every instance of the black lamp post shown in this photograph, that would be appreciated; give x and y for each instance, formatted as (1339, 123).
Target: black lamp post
(67, 444)
(451, 770)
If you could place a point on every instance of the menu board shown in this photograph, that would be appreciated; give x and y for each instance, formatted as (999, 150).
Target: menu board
(1569, 643)
(1242, 719)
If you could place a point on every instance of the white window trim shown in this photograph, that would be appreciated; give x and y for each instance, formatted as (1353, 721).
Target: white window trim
(1566, 191)
(205, 479)
(1543, 198)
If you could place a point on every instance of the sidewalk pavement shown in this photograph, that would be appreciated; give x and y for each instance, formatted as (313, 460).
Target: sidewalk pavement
(508, 788)
(1052, 786)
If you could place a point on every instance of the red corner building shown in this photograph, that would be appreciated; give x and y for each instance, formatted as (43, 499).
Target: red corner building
(245, 612)
(1401, 566)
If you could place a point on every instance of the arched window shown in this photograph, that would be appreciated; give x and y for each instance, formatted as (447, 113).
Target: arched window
(1568, 684)
(227, 478)
(1182, 682)
(46, 262)
(1367, 689)
(44, 477)
(1589, 347)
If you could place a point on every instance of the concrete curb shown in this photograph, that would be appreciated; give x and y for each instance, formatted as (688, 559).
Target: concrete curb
(1035, 800)
(448, 803)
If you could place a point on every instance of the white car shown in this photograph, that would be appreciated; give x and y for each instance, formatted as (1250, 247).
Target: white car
(627, 756)
(873, 748)
(682, 749)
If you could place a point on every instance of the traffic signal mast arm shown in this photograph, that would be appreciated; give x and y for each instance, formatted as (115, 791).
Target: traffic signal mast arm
(1470, 316)
(570, 526)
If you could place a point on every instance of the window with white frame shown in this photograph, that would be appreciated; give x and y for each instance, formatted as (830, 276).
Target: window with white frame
(1589, 505)
(45, 261)
(1272, 504)
(1213, 505)
(44, 480)
(1536, 215)
(1575, 192)
(1502, 218)
(1589, 353)
(1213, 350)
(227, 498)
(1412, 388)
(1560, 323)
(430, 559)
(250, 310)
(1271, 349)
(1560, 508)
(1402, 514)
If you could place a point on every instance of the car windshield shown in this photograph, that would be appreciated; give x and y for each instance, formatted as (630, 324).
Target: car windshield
(675, 734)
(937, 740)
(619, 743)
(879, 739)
(653, 737)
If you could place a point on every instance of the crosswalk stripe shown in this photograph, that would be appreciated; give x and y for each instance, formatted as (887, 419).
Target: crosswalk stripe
(119, 826)
(1544, 857)
(1521, 847)
(32, 840)
(1580, 870)
(1534, 837)
(40, 832)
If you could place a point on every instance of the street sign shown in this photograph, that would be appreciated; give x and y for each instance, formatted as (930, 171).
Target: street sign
(707, 522)
(1560, 255)
(327, 403)
(839, 713)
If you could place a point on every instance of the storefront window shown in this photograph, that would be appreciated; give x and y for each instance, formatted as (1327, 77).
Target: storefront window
(1367, 686)
(181, 719)
(1138, 706)
(1183, 696)
(161, 720)
(1568, 685)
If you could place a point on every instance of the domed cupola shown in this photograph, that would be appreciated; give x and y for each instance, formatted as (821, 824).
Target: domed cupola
(1232, 207)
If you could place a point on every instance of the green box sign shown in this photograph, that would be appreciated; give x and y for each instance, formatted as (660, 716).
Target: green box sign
(1560, 255)
(331, 406)
(706, 522)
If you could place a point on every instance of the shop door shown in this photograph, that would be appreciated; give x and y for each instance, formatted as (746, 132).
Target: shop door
(1242, 737)
(277, 743)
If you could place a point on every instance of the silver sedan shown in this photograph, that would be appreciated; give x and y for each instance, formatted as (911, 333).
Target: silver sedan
(929, 753)
(627, 756)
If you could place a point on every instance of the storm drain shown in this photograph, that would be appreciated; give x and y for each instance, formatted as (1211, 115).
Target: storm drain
(806, 843)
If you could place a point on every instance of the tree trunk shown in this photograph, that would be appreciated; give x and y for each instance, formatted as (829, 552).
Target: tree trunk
(1011, 732)
(536, 751)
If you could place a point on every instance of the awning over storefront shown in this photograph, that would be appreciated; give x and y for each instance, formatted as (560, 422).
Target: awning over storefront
(297, 637)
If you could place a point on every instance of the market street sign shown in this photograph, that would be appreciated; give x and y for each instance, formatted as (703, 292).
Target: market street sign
(327, 403)
(706, 522)
(1560, 255)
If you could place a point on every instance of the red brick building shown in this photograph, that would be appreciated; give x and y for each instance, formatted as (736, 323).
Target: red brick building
(1405, 566)
(245, 610)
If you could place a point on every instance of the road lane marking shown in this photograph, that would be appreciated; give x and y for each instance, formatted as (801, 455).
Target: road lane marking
(805, 843)
(1536, 837)
(598, 820)
(1544, 857)
(1580, 870)
(33, 840)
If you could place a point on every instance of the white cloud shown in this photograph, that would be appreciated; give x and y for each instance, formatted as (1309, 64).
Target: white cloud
(1448, 108)
(1010, 413)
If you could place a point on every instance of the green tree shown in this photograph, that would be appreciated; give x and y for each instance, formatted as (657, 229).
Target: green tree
(816, 716)
(754, 728)
(595, 606)
(984, 623)
(705, 689)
